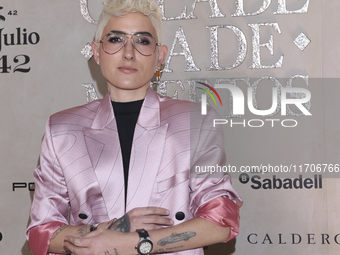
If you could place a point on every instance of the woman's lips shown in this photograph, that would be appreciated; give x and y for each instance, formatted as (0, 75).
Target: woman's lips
(127, 69)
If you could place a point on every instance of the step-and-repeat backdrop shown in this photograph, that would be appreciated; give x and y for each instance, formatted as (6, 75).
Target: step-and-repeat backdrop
(274, 65)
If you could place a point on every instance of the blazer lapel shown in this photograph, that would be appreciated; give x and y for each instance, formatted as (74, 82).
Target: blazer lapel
(103, 147)
(146, 152)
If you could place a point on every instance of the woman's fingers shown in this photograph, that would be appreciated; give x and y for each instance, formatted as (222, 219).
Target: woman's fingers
(149, 218)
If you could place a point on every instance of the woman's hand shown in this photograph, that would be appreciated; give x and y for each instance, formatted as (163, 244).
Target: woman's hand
(102, 242)
(142, 217)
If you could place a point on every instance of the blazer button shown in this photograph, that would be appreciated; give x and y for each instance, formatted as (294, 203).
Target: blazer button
(83, 216)
(180, 216)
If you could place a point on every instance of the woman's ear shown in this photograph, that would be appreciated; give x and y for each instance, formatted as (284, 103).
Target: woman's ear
(163, 52)
(95, 51)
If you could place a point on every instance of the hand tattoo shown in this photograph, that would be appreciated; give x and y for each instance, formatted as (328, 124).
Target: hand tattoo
(174, 238)
(83, 231)
(122, 224)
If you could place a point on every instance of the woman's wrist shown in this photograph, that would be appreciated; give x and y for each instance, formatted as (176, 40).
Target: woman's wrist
(134, 240)
(101, 225)
(110, 224)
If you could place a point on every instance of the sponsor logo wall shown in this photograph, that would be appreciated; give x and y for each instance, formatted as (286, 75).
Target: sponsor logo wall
(274, 67)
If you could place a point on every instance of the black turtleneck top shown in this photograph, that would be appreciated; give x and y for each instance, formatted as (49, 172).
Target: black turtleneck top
(126, 114)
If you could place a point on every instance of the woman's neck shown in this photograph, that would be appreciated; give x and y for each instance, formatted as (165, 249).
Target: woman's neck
(120, 95)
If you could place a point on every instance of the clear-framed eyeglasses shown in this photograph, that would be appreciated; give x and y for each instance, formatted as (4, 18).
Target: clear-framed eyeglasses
(143, 42)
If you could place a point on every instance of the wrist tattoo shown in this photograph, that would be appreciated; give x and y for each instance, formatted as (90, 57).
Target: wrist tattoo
(56, 233)
(174, 238)
(115, 252)
(168, 249)
(122, 224)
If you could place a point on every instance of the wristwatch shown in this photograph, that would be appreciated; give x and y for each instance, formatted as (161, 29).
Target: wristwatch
(145, 245)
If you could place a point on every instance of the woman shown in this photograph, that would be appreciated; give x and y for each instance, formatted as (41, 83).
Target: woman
(129, 156)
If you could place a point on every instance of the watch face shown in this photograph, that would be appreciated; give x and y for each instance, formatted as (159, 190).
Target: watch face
(145, 247)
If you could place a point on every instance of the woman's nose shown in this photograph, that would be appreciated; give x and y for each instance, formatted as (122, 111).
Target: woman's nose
(129, 50)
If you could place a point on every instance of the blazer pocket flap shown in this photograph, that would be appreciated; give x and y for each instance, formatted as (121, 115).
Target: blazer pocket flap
(172, 181)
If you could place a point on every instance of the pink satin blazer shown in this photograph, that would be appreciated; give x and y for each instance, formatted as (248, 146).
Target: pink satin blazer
(81, 170)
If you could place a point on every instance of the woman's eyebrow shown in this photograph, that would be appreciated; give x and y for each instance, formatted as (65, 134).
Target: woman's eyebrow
(117, 31)
(143, 33)
(136, 33)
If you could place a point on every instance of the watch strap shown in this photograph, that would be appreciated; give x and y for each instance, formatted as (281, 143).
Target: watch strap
(143, 233)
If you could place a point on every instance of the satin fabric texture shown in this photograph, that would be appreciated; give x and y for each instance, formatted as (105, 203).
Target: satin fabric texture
(81, 170)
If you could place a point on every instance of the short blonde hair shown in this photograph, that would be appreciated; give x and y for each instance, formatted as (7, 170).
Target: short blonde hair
(117, 8)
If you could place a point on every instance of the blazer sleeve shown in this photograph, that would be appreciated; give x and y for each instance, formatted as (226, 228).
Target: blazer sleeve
(40, 238)
(50, 201)
(212, 196)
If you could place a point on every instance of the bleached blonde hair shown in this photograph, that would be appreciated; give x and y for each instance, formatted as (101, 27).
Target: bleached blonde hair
(117, 8)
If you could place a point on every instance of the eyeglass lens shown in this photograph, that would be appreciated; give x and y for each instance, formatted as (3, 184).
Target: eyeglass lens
(144, 44)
